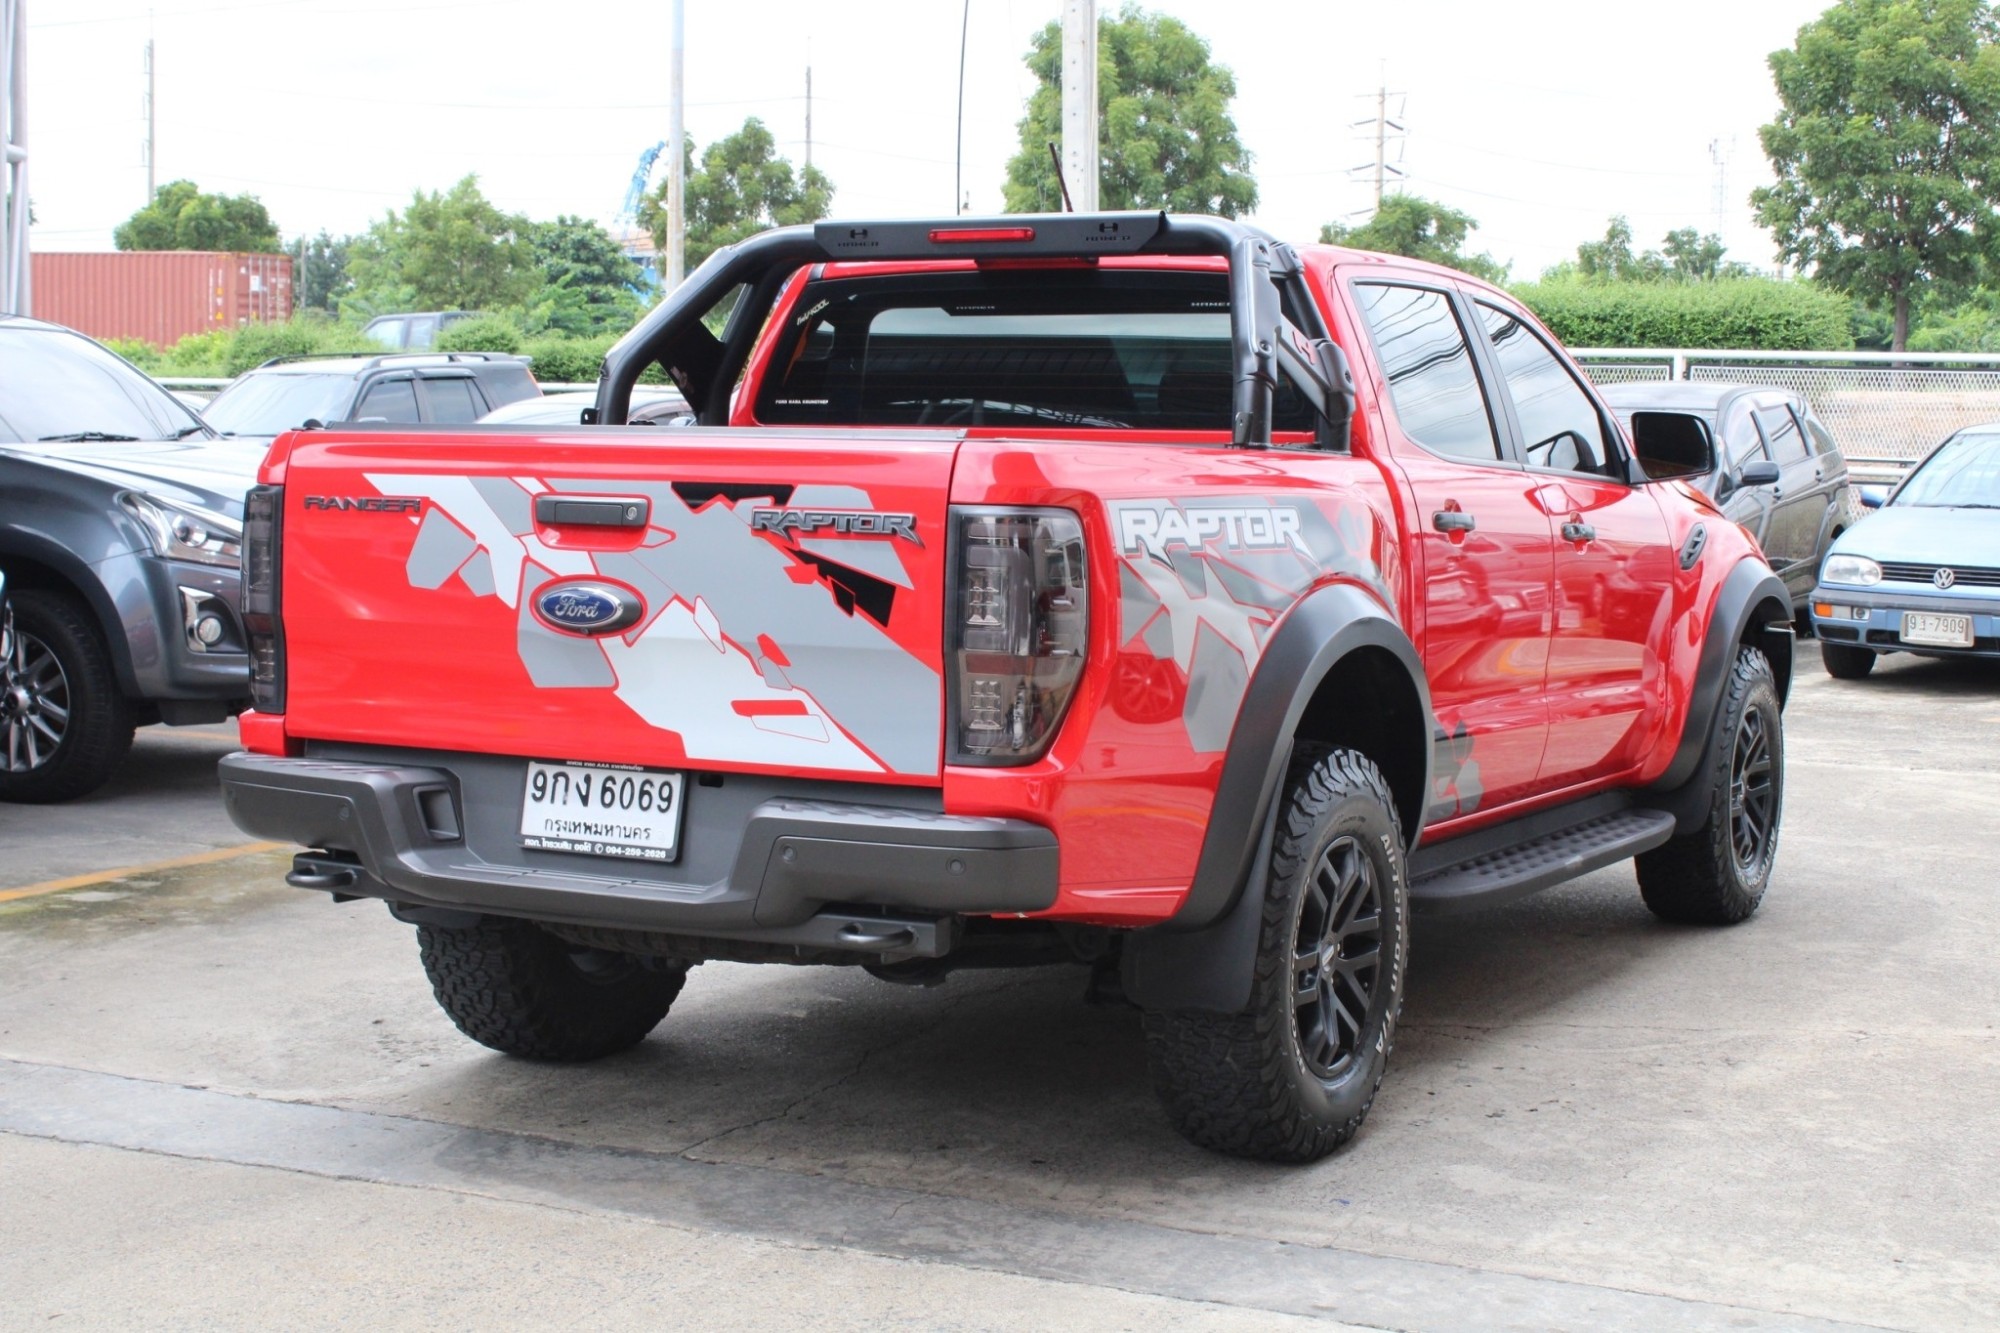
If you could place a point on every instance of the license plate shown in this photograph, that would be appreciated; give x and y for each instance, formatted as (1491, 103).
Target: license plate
(602, 810)
(1938, 631)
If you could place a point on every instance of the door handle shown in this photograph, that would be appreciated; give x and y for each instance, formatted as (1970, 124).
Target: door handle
(592, 511)
(1453, 520)
(1579, 532)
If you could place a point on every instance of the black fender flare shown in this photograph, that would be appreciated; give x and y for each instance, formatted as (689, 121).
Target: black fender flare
(1202, 958)
(81, 578)
(1753, 606)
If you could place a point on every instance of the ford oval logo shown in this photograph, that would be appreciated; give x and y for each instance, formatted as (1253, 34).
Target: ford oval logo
(582, 607)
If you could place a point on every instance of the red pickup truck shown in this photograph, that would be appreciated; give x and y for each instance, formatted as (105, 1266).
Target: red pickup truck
(1129, 589)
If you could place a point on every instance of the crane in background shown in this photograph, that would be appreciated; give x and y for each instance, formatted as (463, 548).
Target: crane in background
(638, 246)
(641, 178)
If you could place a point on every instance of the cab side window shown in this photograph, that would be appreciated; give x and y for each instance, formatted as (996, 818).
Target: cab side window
(389, 400)
(1782, 433)
(453, 400)
(1560, 425)
(1424, 353)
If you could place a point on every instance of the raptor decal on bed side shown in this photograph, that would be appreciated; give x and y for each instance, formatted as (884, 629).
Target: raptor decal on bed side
(751, 647)
(1203, 581)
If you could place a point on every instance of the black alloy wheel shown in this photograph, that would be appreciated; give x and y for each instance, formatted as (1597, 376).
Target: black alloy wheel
(1291, 1075)
(1336, 958)
(1716, 874)
(1753, 795)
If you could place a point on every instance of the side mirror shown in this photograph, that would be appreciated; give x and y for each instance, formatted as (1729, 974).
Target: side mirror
(1757, 472)
(1872, 497)
(1671, 446)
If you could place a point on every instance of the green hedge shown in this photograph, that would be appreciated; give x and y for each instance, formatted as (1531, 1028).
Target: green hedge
(1737, 314)
(487, 333)
(558, 359)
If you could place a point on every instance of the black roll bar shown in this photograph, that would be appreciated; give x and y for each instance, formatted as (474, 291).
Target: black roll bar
(1261, 338)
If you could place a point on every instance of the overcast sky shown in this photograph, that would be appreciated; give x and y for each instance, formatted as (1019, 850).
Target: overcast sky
(1540, 119)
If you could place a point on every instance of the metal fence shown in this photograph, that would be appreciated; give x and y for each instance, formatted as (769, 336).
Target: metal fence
(1885, 409)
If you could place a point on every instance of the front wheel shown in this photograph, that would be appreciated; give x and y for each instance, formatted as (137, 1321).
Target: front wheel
(1717, 874)
(511, 985)
(64, 724)
(1292, 1077)
(1845, 663)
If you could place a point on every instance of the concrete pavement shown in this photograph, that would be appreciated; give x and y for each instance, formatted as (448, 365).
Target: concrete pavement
(1753, 1127)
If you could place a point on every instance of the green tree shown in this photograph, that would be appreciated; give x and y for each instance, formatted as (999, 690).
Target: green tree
(1409, 224)
(1163, 111)
(587, 281)
(740, 188)
(1612, 260)
(319, 271)
(1887, 147)
(450, 251)
(181, 217)
(1693, 257)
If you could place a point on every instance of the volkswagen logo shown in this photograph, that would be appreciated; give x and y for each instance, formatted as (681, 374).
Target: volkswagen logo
(1944, 578)
(579, 606)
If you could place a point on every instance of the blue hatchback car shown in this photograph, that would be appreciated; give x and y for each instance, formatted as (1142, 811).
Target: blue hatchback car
(1923, 575)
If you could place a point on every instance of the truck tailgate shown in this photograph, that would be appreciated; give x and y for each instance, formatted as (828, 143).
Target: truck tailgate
(705, 598)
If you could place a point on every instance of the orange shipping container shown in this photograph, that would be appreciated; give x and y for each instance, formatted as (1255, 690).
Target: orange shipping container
(161, 295)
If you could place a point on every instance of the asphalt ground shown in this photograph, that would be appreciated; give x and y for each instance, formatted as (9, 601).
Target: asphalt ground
(224, 1102)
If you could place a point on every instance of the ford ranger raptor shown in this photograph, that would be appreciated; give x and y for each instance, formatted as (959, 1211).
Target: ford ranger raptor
(1127, 588)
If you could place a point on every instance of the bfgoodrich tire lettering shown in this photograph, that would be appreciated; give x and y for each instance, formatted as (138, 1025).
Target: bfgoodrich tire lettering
(1717, 874)
(1292, 1077)
(510, 985)
(64, 725)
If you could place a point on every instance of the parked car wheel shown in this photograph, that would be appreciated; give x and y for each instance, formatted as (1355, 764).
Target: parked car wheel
(1716, 875)
(1845, 663)
(513, 986)
(1292, 1077)
(64, 724)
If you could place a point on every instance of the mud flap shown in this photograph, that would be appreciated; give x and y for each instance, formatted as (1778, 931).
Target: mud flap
(1209, 969)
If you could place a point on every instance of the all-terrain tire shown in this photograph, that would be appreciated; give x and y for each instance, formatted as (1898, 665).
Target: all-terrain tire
(1291, 1078)
(58, 661)
(513, 986)
(1845, 663)
(1717, 874)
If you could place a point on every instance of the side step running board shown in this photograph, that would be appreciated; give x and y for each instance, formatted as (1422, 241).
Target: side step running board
(1514, 860)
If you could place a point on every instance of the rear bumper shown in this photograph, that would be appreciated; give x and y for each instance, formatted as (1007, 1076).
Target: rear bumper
(759, 862)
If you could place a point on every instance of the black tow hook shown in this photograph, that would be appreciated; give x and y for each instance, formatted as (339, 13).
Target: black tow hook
(310, 874)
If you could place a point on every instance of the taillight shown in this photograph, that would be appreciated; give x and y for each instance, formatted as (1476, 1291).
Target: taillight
(1020, 627)
(263, 509)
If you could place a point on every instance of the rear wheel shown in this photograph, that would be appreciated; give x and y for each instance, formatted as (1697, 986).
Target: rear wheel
(1717, 874)
(1292, 1077)
(1845, 663)
(513, 986)
(64, 724)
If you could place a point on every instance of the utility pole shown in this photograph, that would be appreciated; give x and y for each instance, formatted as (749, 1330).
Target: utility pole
(151, 171)
(1719, 154)
(1381, 168)
(16, 272)
(675, 267)
(1081, 157)
(958, 154)
(809, 117)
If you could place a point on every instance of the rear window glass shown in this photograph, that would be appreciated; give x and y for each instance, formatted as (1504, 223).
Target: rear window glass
(1064, 349)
